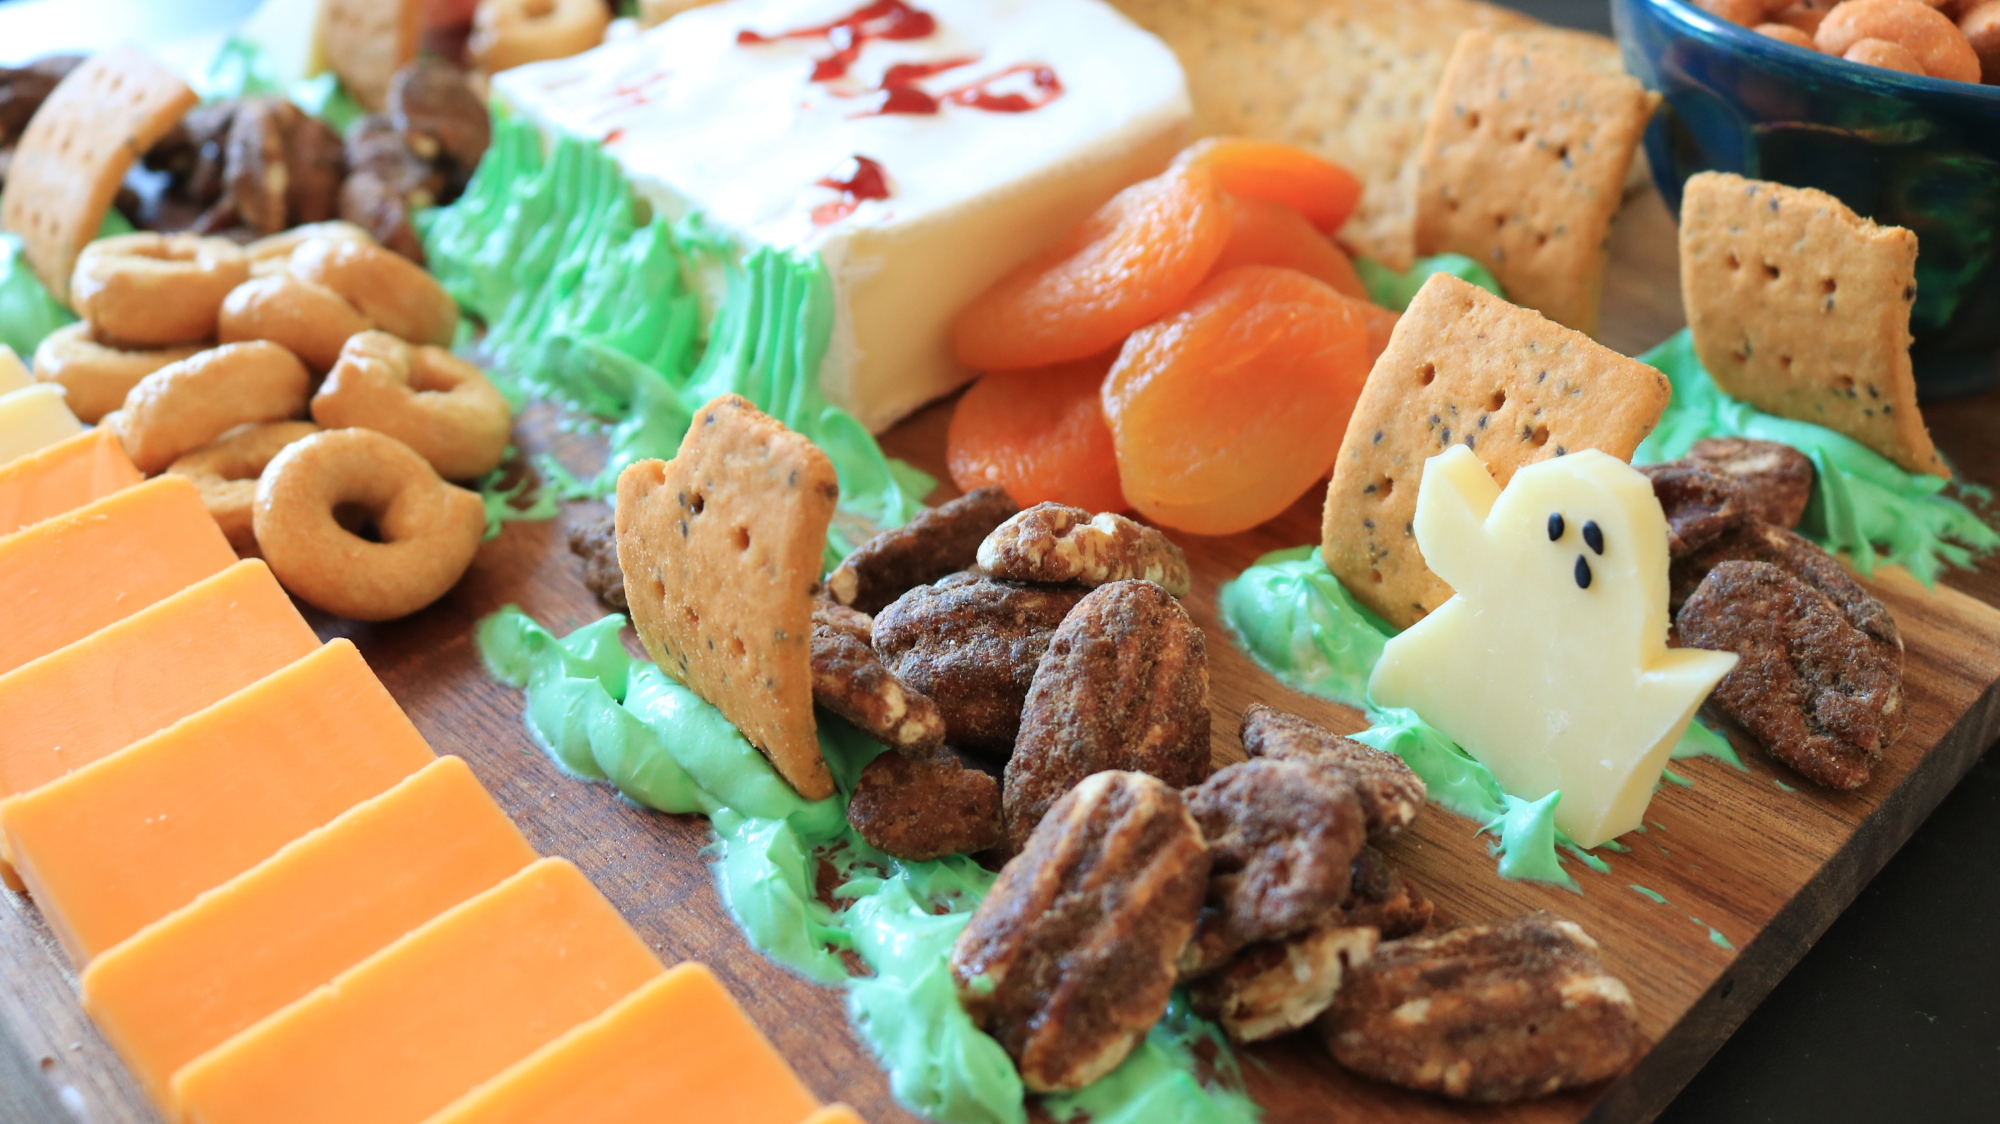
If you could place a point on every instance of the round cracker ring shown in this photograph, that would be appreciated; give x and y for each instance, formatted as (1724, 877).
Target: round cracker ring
(426, 531)
(225, 473)
(425, 397)
(387, 287)
(305, 317)
(183, 406)
(273, 252)
(96, 376)
(155, 290)
(508, 33)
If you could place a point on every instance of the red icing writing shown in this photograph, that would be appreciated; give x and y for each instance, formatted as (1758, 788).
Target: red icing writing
(1043, 88)
(864, 179)
(882, 19)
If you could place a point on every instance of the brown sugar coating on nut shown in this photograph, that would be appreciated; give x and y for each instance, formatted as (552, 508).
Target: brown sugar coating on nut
(1391, 794)
(922, 808)
(1776, 478)
(1497, 1012)
(972, 645)
(1123, 685)
(1382, 899)
(315, 165)
(255, 177)
(850, 680)
(940, 541)
(1070, 959)
(1279, 986)
(1282, 837)
(1804, 560)
(1810, 687)
(439, 115)
(1699, 503)
(1050, 542)
(386, 183)
(595, 541)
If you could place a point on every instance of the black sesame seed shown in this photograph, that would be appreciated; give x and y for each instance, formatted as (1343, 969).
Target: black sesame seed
(1555, 526)
(1582, 573)
(1593, 537)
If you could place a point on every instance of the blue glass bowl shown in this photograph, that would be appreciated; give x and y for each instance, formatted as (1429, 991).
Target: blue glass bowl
(1914, 152)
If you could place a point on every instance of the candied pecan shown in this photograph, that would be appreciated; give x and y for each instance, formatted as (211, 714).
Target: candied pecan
(939, 541)
(1282, 836)
(972, 645)
(1279, 986)
(1123, 685)
(1383, 900)
(386, 183)
(370, 203)
(439, 116)
(255, 178)
(1804, 560)
(922, 808)
(1053, 543)
(1810, 687)
(23, 89)
(1777, 479)
(1391, 794)
(1070, 959)
(1497, 1012)
(850, 680)
(1699, 502)
(595, 540)
(315, 164)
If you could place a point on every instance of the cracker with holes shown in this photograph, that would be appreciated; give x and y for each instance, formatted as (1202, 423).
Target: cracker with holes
(1466, 368)
(367, 41)
(76, 150)
(721, 550)
(1801, 308)
(1523, 166)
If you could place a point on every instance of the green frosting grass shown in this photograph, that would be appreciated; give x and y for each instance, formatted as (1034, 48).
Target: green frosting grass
(1395, 291)
(27, 312)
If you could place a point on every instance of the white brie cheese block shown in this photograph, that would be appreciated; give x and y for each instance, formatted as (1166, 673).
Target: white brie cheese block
(34, 418)
(742, 133)
(1550, 661)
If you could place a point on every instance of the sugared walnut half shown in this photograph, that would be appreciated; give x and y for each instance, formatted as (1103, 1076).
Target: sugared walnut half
(1497, 1012)
(922, 808)
(1777, 479)
(1123, 685)
(1280, 986)
(939, 541)
(850, 680)
(1699, 502)
(1391, 794)
(1282, 838)
(1053, 543)
(1070, 959)
(1382, 899)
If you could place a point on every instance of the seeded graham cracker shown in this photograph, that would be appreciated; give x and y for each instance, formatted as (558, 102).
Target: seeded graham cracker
(76, 151)
(1524, 165)
(721, 550)
(1465, 367)
(1801, 308)
(366, 41)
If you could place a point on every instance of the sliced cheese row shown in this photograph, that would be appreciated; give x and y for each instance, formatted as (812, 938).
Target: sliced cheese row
(285, 907)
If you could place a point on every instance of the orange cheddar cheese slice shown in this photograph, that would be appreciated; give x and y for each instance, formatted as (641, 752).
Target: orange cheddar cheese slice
(679, 1041)
(63, 477)
(835, 1114)
(415, 1026)
(191, 980)
(151, 669)
(129, 838)
(64, 578)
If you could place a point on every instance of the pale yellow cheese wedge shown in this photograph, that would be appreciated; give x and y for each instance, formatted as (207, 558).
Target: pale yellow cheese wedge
(680, 1040)
(63, 477)
(329, 899)
(130, 838)
(34, 417)
(14, 374)
(418, 1024)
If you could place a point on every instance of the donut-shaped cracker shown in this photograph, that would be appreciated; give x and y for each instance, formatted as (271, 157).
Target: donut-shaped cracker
(273, 253)
(425, 530)
(183, 406)
(425, 397)
(507, 33)
(225, 472)
(388, 288)
(156, 290)
(305, 317)
(1939, 46)
(96, 377)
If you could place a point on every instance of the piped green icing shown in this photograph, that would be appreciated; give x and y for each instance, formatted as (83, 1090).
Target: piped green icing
(602, 714)
(1395, 291)
(241, 68)
(1862, 505)
(1646, 893)
(520, 500)
(27, 312)
(1702, 740)
(1527, 846)
(1298, 622)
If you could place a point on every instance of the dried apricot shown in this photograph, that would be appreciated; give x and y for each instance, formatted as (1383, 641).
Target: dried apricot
(1224, 413)
(1324, 192)
(1265, 233)
(1131, 262)
(1038, 433)
(1380, 323)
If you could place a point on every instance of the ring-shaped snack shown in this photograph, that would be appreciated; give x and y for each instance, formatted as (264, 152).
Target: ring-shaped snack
(508, 33)
(225, 472)
(426, 531)
(387, 287)
(156, 290)
(273, 252)
(305, 317)
(425, 397)
(183, 406)
(96, 377)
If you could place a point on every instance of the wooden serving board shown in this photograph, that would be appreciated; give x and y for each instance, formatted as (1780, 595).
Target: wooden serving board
(1767, 868)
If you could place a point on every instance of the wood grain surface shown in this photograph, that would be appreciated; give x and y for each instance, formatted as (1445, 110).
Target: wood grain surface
(1767, 868)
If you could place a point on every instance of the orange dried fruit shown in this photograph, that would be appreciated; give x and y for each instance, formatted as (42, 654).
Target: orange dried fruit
(1131, 262)
(1038, 433)
(1324, 192)
(1265, 233)
(1226, 412)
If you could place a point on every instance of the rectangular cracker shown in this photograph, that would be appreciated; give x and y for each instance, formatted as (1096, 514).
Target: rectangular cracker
(1465, 367)
(76, 151)
(1524, 163)
(721, 550)
(367, 41)
(1801, 308)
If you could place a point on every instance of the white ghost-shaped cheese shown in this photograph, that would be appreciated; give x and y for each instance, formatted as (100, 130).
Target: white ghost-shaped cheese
(1550, 662)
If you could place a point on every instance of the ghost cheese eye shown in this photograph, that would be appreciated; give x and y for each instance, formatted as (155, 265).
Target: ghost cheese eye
(1555, 526)
(1593, 538)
